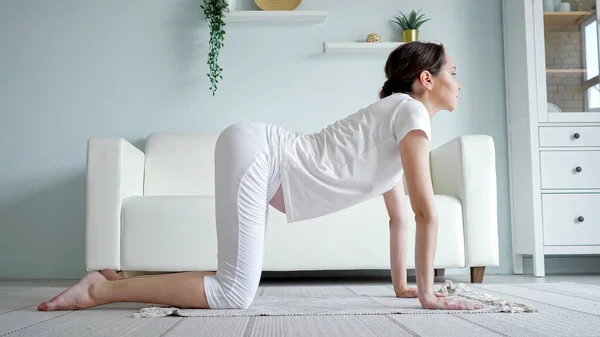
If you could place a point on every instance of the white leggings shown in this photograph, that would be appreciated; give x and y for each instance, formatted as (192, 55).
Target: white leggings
(246, 178)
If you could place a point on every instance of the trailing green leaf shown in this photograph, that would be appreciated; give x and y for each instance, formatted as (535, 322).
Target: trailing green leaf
(214, 11)
(412, 21)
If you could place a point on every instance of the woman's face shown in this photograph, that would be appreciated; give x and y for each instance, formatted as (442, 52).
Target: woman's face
(444, 90)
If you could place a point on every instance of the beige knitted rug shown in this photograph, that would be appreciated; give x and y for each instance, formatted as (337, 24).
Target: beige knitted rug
(563, 309)
(344, 300)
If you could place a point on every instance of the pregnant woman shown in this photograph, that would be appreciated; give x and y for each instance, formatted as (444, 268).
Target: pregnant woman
(309, 175)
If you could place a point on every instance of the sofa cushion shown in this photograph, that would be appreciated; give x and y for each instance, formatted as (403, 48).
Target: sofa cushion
(180, 164)
(168, 233)
(175, 233)
(358, 238)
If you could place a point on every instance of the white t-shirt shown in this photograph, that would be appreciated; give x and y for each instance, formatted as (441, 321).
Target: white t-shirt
(349, 161)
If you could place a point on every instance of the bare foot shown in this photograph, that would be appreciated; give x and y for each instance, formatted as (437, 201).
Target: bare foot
(110, 275)
(76, 297)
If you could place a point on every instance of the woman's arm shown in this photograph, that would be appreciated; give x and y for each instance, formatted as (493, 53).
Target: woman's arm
(414, 151)
(395, 203)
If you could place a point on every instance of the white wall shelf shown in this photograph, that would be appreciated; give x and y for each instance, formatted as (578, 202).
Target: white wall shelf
(360, 47)
(276, 16)
(568, 18)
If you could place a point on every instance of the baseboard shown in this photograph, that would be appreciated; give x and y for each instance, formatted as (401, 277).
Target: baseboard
(558, 265)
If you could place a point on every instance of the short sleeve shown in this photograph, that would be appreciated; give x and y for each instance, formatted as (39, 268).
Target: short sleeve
(411, 115)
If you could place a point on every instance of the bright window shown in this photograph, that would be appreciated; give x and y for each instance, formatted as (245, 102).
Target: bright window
(593, 97)
(589, 29)
(591, 49)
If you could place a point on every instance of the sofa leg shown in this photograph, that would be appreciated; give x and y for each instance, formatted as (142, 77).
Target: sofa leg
(440, 272)
(477, 274)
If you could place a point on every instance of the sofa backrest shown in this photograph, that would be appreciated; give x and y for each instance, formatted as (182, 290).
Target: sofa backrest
(180, 164)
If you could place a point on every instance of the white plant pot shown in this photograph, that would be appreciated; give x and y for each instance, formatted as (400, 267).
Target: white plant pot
(549, 5)
(563, 7)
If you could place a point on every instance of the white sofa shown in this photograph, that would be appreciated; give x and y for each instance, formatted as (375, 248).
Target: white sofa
(154, 211)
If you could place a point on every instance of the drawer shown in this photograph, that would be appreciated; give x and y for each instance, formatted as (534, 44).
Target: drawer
(569, 136)
(570, 169)
(571, 219)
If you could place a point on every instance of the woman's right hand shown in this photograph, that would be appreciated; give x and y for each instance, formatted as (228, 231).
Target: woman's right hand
(430, 301)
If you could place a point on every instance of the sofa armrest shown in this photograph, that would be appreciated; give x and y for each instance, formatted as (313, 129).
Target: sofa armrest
(114, 171)
(465, 167)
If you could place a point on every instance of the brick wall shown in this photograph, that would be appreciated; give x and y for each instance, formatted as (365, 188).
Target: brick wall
(564, 51)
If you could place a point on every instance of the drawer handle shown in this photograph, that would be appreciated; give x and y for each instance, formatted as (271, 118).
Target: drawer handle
(576, 135)
(580, 219)
(578, 169)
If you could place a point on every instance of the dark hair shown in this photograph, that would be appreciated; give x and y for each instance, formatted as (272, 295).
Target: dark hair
(405, 64)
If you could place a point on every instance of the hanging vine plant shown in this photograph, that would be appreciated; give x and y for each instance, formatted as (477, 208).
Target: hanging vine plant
(214, 11)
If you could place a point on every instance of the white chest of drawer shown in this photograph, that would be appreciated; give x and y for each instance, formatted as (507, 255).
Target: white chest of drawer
(569, 136)
(570, 169)
(546, 146)
(571, 219)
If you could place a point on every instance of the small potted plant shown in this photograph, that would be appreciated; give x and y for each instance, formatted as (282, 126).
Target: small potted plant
(214, 11)
(410, 24)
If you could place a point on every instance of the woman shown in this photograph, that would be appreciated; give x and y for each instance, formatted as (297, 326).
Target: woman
(307, 176)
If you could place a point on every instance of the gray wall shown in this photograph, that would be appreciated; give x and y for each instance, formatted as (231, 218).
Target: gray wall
(75, 69)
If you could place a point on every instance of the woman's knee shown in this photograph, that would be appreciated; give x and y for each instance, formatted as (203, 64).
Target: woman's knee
(238, 298)
(234, 302)
(222, 295)
(242, 304)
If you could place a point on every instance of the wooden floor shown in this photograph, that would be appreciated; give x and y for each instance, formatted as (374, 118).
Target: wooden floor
(18, 317)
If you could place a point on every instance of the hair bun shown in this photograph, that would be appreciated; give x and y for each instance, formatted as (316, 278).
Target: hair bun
(386, 90)
(388, 86)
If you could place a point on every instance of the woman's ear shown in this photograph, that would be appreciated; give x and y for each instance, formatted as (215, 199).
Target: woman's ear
(425, 80)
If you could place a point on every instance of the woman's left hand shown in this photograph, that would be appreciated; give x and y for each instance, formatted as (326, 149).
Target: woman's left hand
(409, 292)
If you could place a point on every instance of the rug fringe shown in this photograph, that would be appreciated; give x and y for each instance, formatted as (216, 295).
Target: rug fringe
(154, 312)
(463, 290)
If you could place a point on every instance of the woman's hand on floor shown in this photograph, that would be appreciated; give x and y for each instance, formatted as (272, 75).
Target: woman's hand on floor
(430, 301)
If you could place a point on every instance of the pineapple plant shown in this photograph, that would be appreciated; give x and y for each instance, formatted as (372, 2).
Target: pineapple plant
(410, 24)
